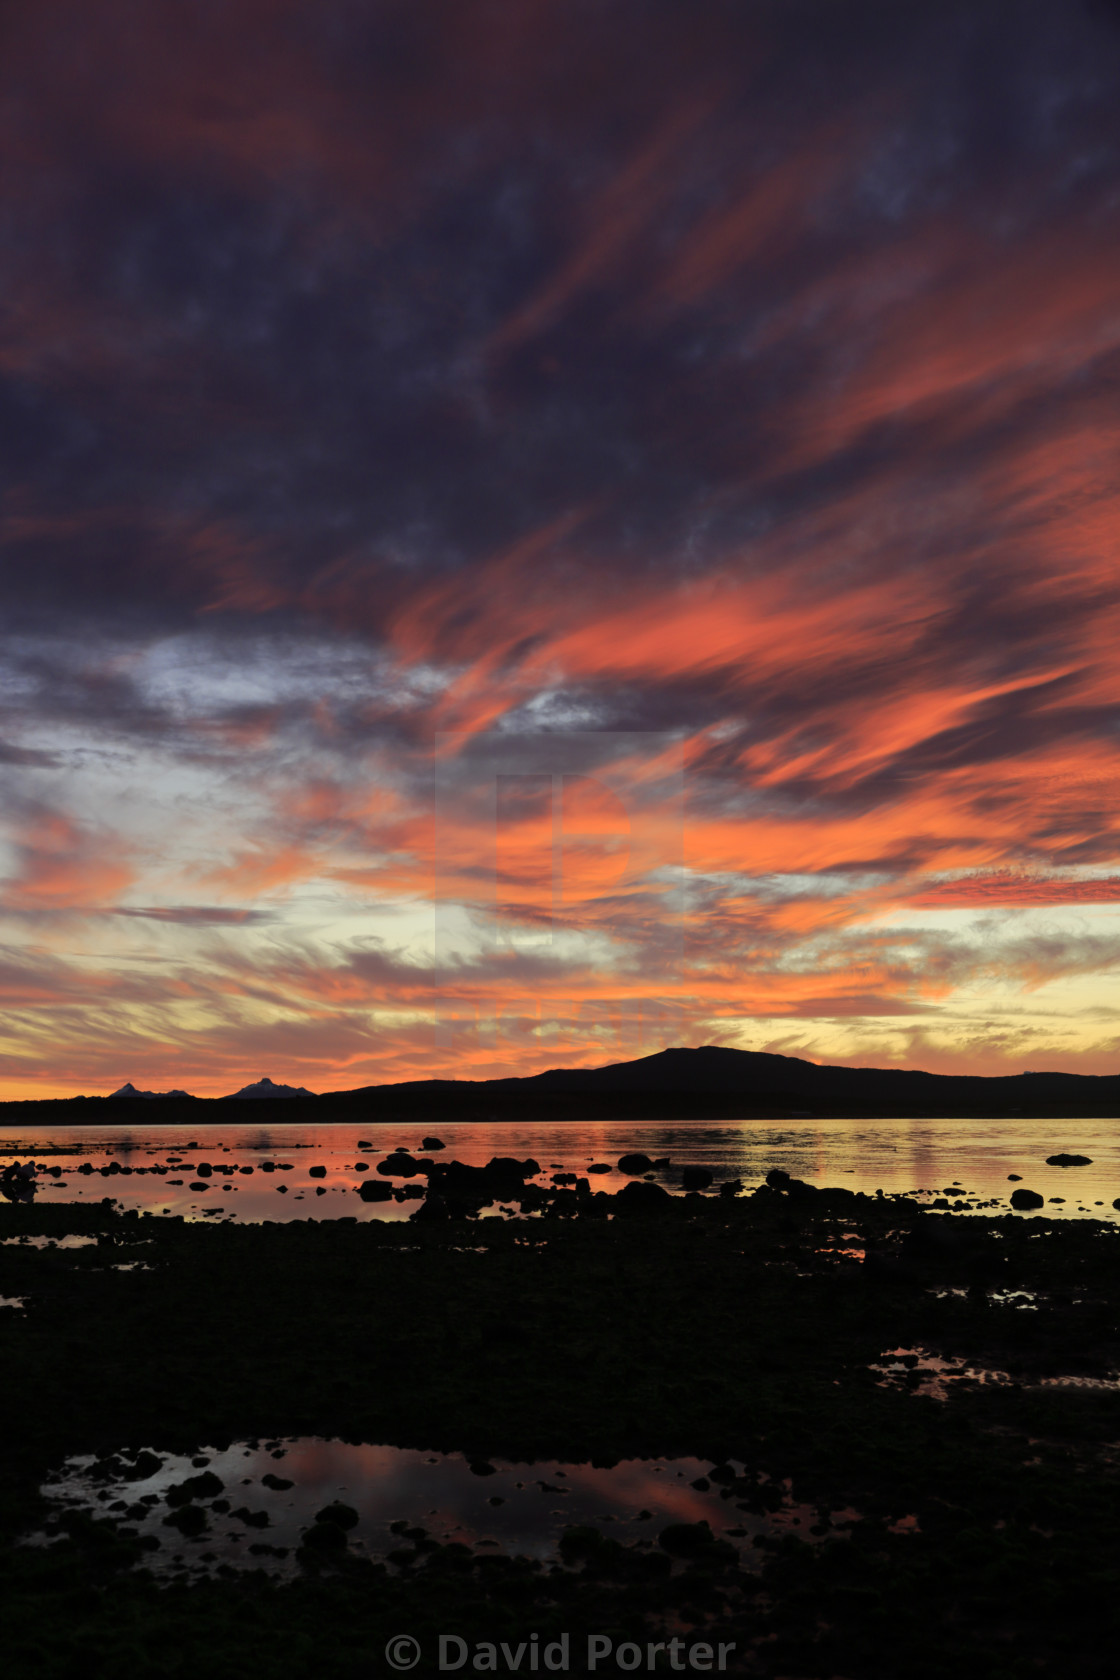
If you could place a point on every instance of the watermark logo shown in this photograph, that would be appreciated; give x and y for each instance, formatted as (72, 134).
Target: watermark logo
(559, 867)
(402, 1652)
(554, 1656)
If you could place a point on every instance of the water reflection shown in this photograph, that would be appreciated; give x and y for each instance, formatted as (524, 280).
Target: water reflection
(249, 1172)
(249, 1505)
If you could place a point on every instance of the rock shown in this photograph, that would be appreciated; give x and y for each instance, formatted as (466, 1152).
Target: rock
(324, 1537)
(252, 1519)
(686, 1540)
(695, 1178)
(777, 1179)
(634, 1165)
(640, 1199)
(482, 1467)
(199, 1184)
(202, 1168)
(732, 1188)
(189, 1520)
(399, 1165)
(432, 1143)
(1116, 1203)
(316, 1172)
(343, 1516)
(433, 1207)
(206, 1486)
(361, 1166)
(1014, 1178)
(372, 1191)
(599, 1167)
(281, 1189)
(563, 1178)
(275, 1482)
(147, 1463)
(1023, 1199)
(1068, 1161)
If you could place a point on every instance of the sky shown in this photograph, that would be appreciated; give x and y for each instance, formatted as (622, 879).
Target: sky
(534, 532)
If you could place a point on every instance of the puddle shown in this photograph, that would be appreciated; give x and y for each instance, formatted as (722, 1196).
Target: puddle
(923, 1372)
(48, 1242)
(16, 1302)
(248, 1505)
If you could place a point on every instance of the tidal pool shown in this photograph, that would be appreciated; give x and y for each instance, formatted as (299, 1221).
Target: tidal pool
(251, 1503)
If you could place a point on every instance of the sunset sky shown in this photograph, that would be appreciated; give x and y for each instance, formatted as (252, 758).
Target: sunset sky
(641, 478)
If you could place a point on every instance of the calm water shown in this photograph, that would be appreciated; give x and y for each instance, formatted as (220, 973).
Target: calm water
(892, 1155)
(271, 1492)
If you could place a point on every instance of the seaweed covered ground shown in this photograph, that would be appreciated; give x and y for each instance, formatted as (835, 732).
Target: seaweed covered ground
(742, 1329)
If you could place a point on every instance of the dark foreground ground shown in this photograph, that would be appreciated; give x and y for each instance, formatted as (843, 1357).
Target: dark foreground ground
(716, 1328)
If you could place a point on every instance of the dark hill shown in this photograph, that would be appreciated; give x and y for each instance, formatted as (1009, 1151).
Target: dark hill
(706, 1083)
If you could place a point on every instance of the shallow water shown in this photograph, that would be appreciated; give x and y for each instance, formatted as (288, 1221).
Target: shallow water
(956, 1159)
(519, 1509)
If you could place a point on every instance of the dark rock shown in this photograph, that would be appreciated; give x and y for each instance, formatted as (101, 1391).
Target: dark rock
(635, 1164)
(252, 1519)
(147, 1463)
(777, 1179)
(701, 1484)
(686, 1540)
(316, 1172)
(433, 1207)
(361, 1166)
(599, 1167)
(696, 1178)
(732, 1188)
(482, 1467)
(281, 1189)
(324, 1537)
(1026, 1199)
(343, 1516)
(275, 1482)
(399, 1165)
(189, 1520)
(563, 1178)
(202, 1168)
(206, 1486)
(432, 1143)
(199, 1185)
(640, 1199)
(1069, 1161)
(372, 1191)
(1014, 1178)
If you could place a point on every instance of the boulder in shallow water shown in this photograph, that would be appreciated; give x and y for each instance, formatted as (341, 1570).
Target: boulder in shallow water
(635, 1164)
(696, 1178)
(432, 1143)
(1023, 1199)
(375, 1190)
(399, 1165)
(639, 1199)
(1068, 1161)
(343, 1516)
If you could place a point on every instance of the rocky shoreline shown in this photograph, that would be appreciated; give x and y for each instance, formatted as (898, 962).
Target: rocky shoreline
(790, 1331)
